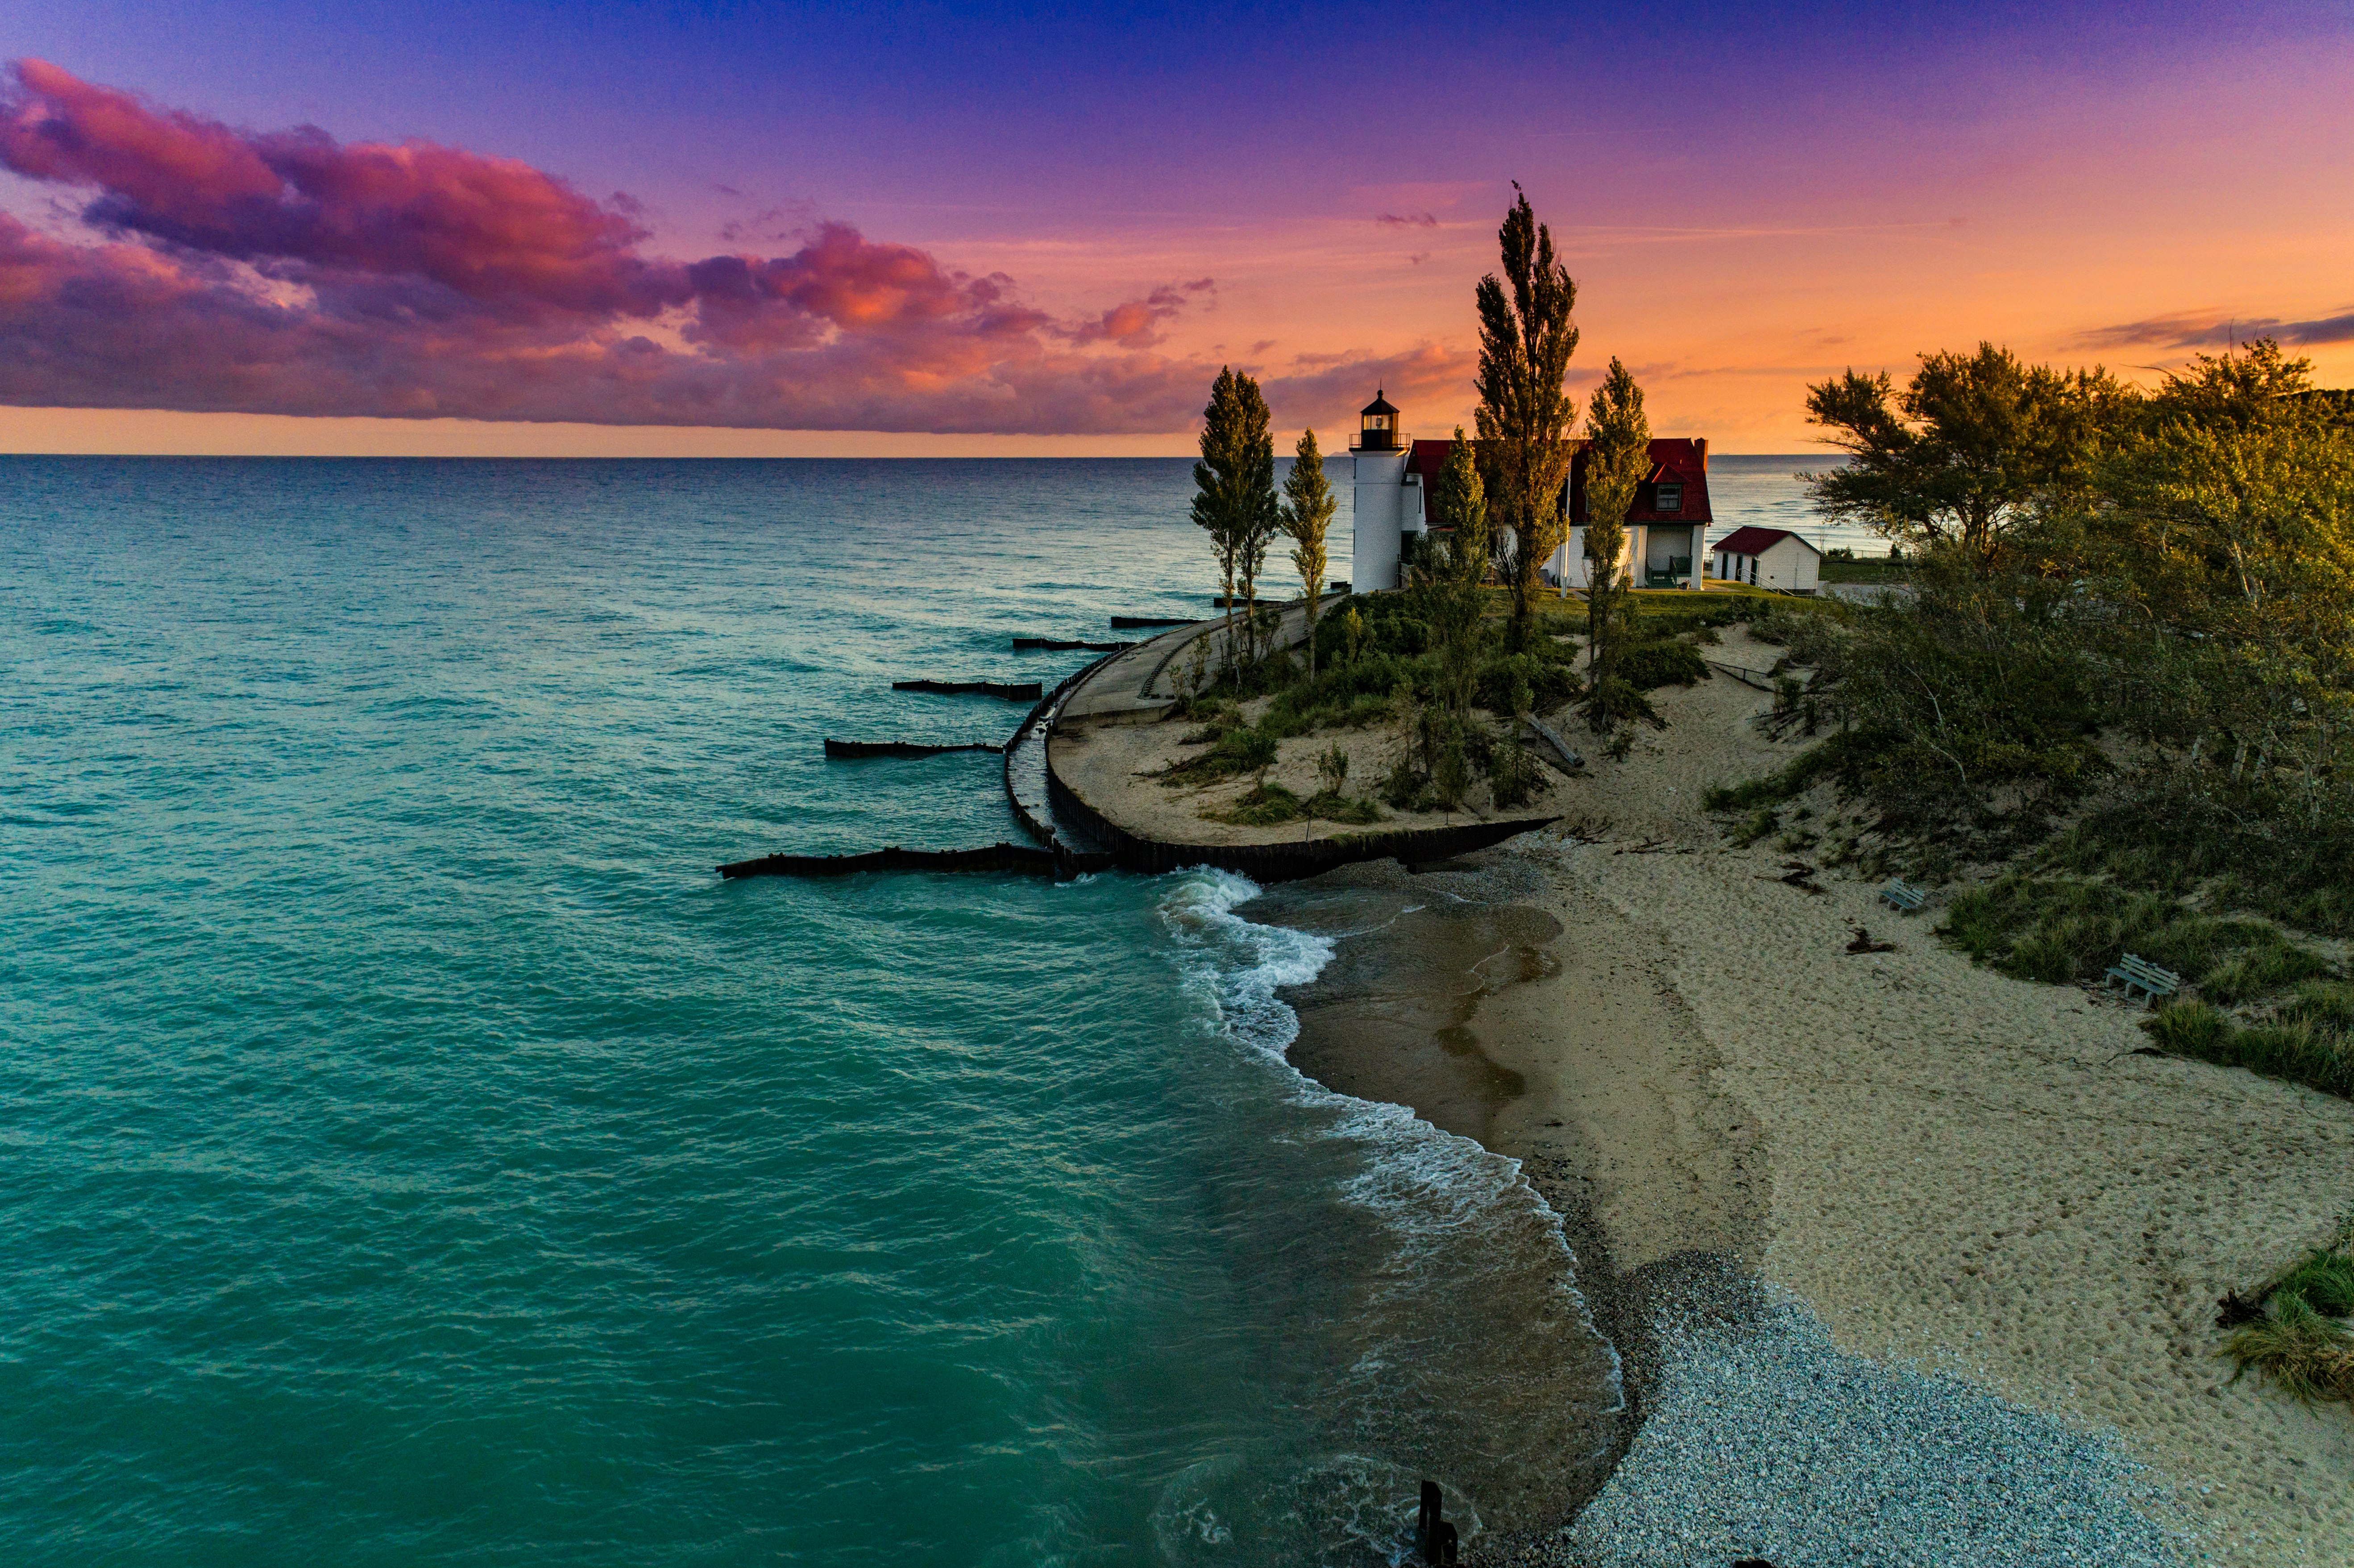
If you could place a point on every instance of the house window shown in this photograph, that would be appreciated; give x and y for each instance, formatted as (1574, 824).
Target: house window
(1671, 498)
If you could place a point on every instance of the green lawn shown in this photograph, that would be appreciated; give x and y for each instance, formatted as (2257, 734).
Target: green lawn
(1869, 570)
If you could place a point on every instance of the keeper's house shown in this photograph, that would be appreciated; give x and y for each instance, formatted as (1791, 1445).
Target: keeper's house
(1666, 530)
(1768, 559)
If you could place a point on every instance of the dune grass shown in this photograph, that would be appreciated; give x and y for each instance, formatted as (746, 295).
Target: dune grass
(2062, 930)
(2296, 1334)
(1270, 805)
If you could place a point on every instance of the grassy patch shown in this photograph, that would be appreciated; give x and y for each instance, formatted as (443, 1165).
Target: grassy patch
(1332, 806)
(1867, 569)
(1234, 748)
(2248, 845)
(2294, 1049)
(2060, 929)
(2294, 1334)
(1650, 663)
(1263, 807)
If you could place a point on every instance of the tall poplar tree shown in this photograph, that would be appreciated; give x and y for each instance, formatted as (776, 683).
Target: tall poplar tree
(1526, 337)
(1235, 489)
(1459, 501)
(1617, 455)
(1307, 511)
(1448, 575)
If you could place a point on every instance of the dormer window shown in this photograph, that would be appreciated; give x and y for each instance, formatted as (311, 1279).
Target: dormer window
(1668, 498)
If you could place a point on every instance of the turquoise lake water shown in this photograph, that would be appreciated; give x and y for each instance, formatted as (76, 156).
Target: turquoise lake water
(415, 1154)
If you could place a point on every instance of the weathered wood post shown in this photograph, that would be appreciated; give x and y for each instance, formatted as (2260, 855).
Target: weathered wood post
(1433, 1535)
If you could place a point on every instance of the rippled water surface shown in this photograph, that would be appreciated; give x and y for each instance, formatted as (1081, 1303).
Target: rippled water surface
(415, 1154)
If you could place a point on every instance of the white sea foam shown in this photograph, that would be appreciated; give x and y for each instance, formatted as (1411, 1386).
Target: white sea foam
(1514, 1355)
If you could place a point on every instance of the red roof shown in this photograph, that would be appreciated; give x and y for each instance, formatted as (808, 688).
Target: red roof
(1674, 458)
(1427, 458)
(1755, 541)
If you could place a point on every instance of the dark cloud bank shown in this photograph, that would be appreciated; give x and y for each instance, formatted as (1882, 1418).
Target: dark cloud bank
(286, 273)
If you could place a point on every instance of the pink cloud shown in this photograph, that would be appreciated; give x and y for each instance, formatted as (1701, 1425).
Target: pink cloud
(284, 272)
(1136, 323)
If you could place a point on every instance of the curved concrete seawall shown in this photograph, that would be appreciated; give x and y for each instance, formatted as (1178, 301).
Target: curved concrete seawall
(1131, 687)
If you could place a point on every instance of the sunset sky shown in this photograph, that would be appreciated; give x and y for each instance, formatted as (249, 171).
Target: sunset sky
(720, 228)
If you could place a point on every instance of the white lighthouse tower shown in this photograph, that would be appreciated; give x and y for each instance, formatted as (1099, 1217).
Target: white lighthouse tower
(1380, 450)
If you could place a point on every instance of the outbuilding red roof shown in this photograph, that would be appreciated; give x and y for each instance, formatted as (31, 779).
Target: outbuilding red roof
(1756, 541)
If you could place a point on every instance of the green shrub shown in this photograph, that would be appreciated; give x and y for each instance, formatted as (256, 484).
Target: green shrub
(2305, 1354)
(2325, 1280)
(2188, 1029)
(2326, 1002)
(1403, 785)
(1613, 702)
(1237, 749)
(2254, 846)
(1332, 806)
(1450, 774)
(1263, 807)
(1512, 774)
(2297, 1050)
(2261, 970)
(1652, 662)
(2060, 929)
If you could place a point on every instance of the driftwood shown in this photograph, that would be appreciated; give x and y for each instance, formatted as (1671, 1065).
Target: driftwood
(1563, 758)
(855, 748)
(1057, 645)
(1012, 691)
(1137, 622)
(1865, 943)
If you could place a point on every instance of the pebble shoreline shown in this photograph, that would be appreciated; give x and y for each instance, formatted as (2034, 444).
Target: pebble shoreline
(1760, 1438)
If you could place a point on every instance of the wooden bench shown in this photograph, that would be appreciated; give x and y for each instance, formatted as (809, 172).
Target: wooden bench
(1902, 896)
(2135, 973)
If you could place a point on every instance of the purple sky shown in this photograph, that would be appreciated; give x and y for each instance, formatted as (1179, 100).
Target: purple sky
(1033, 223)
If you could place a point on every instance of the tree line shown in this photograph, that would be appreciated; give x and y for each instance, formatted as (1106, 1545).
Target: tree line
(1498, 507)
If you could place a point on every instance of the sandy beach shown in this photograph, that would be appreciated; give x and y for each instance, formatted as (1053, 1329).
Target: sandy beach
(1962, 1200)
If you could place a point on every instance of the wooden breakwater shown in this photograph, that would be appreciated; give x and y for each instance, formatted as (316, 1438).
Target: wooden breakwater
(1139, 622)
(1020, 859)
(859, 748)
(1054, 856)
(1012, 691)
(1057, 645)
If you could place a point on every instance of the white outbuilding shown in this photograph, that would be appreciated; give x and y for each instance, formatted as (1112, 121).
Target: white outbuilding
(1768, 559)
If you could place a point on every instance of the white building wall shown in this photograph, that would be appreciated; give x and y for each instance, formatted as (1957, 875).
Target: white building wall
(1789, 565)
(1570, 560)
(1382, 516)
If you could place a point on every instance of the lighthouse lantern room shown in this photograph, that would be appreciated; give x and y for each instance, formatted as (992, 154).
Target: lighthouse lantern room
(1385, 511)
